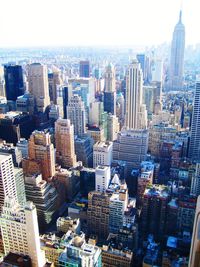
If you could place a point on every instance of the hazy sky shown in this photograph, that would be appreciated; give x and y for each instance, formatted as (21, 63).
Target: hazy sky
(95, 22)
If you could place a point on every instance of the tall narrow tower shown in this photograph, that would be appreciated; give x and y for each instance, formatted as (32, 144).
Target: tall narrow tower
(194, 147)
(65, 151)
(38, 85)
(177, 56)
(135, 111)
(110, 91)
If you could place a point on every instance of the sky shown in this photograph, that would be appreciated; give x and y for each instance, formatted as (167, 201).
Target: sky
(95, 22)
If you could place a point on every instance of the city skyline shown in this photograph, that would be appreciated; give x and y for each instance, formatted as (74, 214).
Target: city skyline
(91, 23)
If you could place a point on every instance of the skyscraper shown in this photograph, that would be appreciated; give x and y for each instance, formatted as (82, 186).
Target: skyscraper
(194, 147)
(135, 111)
(65, 151)
(110, 91)
(13, 81)
(7, 178)
(76, 114)
(41, 155)
(20, 233)
(84, 70)
(2, 82)
(38, 85)
(177, 56)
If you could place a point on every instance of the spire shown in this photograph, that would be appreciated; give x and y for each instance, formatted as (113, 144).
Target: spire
(180, 16)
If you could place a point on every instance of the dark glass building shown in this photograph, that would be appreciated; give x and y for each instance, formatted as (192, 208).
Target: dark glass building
(110, 102)
(13, 81)
(84, 70)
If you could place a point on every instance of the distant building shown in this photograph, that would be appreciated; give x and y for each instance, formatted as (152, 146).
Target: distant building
(177, 56)
(84, 69)
(13, 81)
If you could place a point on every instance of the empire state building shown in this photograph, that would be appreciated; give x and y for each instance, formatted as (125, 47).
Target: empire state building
(177, 56)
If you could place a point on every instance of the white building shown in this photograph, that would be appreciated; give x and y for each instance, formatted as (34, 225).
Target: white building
(76, 114)
(19, 228)
(7, 178)
(102, 154)
(102, 178)
(195, 184)
(113, 127)
(135, 119)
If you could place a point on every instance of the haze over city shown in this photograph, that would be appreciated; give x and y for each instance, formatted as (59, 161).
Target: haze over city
(93, 22)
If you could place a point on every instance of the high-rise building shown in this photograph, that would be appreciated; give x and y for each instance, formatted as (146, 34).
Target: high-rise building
(98, 213)
(64, 136)
(195, 244)
(194, 146)
(110, 90)
(20, 233)
(102, 178)
(131, 146)
(84, 69)
(55, 80)
(195, 183)
(41, 153)
(13, 81)
(44, 197)
(177, 56)
(76, 114)
(112, 127)
(102, 154)
(136, 116)
(84, 150)
(7, 178)
(38, 85)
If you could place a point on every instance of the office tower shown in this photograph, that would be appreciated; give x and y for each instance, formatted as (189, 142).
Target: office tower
(177, 56)
(20, 187)
(25, 103)
(38, 85)
(64, 93)
(79, 253)
(54, 79)
(195, 244)
(13, 81)
(102, 154)
(194, 146)
(53, 112)
(97, 133)
(98, 214)
(135, 118)
(131, 146)
(142, 59)
(44, 197)
(149, 97)
(64, 136)
(195, 183)
(76, 114)
(102, 178)
(2, 82)
(84, 69)
(7, 178)
(112, 127)
(118, 205)
(84, 150)
(154, 210)
(20, 233)
(110, 90)
(41, 155)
